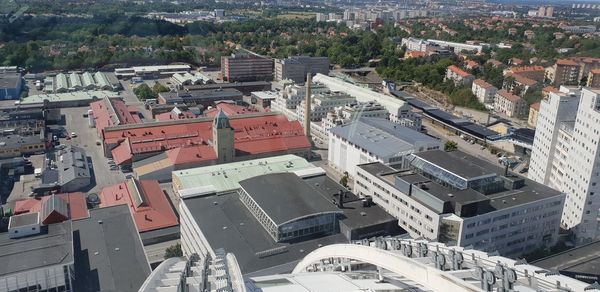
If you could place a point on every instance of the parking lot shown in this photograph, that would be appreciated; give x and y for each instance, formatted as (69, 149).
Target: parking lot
(87, 138)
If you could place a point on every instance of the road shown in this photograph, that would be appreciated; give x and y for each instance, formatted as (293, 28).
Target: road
(156, 252)
(465, 146)
(86, 138)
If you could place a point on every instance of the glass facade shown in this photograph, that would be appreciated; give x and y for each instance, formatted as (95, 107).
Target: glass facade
(323, 223)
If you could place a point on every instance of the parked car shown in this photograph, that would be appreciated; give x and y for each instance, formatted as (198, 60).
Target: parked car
(73, 135)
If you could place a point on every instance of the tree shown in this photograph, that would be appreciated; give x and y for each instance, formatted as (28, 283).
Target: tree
(344, 179)
(158, 88)
(173, 251)
(144, 92)
(450, 146)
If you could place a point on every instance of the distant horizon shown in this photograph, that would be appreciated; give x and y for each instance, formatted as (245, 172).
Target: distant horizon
(546, 2)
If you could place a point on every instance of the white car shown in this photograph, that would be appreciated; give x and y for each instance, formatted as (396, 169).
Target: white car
(73, 134)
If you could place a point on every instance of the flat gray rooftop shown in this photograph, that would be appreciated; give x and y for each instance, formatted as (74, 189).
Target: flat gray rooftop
(109, 255)
(459, 163)
(9, 80)
(228, 224)
(285, 197)
(381, 137)
(54, 246)
(582, 259)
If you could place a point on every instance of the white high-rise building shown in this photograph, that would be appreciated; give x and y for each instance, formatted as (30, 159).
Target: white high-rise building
(565, 156)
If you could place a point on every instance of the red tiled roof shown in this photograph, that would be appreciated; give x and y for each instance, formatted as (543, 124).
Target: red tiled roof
(416, 54)
(191, 154)
(458, 71)
(507, 95)
(595, 71)
(252, 134)
(152, 212)
(495, 62)
(482, 83)
(229, 110)
(535, 106)
(523, 80)
(566, 62)
(169, 116)
(522, 69)
(550, 89)
(106, 117)
(472, 64)
(76, 201)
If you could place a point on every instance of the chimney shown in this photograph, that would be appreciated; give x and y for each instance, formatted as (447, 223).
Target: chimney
(307, 102)
(341, 199)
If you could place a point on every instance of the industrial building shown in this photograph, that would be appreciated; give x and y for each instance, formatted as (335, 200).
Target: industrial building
(246, 67)
(157, 148)
(86, 81)
(295, 68)
(13, 145)
(69, 99)
(180, 80)
(112, 112)
(151, 72)
(461, 200)
(245, 87)
(11, 85)
(68, 171)
(271, 212)
(373, 139)
(205, 98)
(400, 111)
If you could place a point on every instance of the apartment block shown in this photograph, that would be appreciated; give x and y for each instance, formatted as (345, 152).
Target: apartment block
(295, 68)
(461, 200)
(484, 91)
(593, 79)
(565, 155)
(565, 72)
(510, 104)
(246, 67)
(459, 76)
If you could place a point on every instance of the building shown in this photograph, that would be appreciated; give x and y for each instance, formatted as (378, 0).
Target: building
(13, 145)
(68, 170)
(323, 103)
(579, 29)
(579, 263)
(263, 98)
(593, 78)
(112, 112)
(460, 47)
(75, 208)
(180, 80)
(368, 140)
(246, 67)
(108, 252)
(282, 215)
(400, 111)
(484, 91)
(150, 208)
(534, 110)
(565, 72)
(11, 85)
(69, 99)
(510, 104)
(86, 81)
(295, 68)
(519, 85)
(151, 72)
(564, 156)
(462, 200)
(230, 109)
(43, 259)
(536, 73)
(205, 98)
(377, 264)
(155, 149)
(459, 76)
(245, 87)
